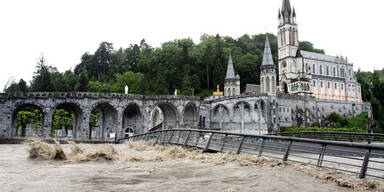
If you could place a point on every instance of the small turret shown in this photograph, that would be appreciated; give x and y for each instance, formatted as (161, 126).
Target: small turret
(230, 70)
(268, 72)
(232, 81)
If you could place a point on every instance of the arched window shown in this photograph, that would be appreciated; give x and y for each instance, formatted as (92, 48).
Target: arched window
(234, 92)
(327, 70)
(267, 85)
(313, 69)
(321, 84)
(321, 69)
(273, 85)
(334, 71)
(229, 92)
(281, 37)
(262, 85)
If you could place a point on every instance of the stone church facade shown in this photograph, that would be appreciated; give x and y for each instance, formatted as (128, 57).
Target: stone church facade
(309, 87)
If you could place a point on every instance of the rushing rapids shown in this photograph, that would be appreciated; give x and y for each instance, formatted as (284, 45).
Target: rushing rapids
(140, 166)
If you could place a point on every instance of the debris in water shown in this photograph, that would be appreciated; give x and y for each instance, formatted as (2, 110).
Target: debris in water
(76, 149)
(106, 152)
(340, 178)
(176, 152)
(40, 149)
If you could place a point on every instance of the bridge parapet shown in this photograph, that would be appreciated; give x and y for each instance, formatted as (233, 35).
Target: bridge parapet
(364, 160)
(39, 95)
(244, 96)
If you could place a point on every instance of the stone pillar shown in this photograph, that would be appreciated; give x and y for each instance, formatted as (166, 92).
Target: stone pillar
(119, 123)
(47, 123)
(84, 127)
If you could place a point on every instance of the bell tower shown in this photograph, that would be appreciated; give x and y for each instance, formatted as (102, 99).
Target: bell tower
(288, 44)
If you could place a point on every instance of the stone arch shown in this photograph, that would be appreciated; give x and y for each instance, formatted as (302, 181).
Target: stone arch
(107, 122)
(189, 115)
(220, 115)
(156, 117)
(242, 111)
(14, 132)
(72, 107)
(133, 118)
(263, 107)
(128, 132)
(168, 113)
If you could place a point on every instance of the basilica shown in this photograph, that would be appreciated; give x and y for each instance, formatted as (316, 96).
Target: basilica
(308, 87)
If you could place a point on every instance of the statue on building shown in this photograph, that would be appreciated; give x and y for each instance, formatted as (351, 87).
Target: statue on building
(126, 89)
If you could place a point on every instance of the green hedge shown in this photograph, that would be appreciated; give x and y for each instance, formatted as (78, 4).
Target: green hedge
(342, 129)
(336, 123)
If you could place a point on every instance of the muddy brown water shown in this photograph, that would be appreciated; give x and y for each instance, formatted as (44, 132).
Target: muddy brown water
(144, 170)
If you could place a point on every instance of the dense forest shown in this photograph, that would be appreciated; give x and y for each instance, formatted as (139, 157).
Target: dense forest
(193, 69)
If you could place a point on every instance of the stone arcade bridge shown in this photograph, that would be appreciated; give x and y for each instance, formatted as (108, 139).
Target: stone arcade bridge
(119, 113)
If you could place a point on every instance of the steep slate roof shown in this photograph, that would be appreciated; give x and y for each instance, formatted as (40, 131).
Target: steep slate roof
(320, 56)
(230, 70)
(252, 88)
(267, 58)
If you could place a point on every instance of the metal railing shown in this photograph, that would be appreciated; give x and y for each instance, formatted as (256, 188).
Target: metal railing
(364, 160)
(336, 136)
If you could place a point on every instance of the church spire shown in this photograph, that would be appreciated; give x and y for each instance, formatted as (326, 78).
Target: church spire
(286, 8)
(286, 11)
(267, 58)
(230, 69)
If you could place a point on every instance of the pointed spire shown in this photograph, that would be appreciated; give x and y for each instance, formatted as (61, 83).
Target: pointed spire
(267, 58)
(230, 70)
(286, 11)
(294, 13)
(286, 8)
(279, 14)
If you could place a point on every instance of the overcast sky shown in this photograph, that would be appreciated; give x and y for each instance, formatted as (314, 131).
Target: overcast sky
(64, 30)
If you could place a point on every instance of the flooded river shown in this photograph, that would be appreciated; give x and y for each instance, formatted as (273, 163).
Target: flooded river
(141, 167)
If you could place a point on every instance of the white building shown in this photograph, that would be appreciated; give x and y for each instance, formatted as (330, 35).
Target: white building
(303, 72)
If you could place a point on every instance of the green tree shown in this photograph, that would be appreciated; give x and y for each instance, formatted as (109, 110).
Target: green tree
(28, 116)
(249, 70)
(61, 118)
(103, 58)
(133, 80)
(41, 81)
(16, 87)
(82, 84)
(93, 121)
(23, 119)
(308, 46)
(98, 87)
